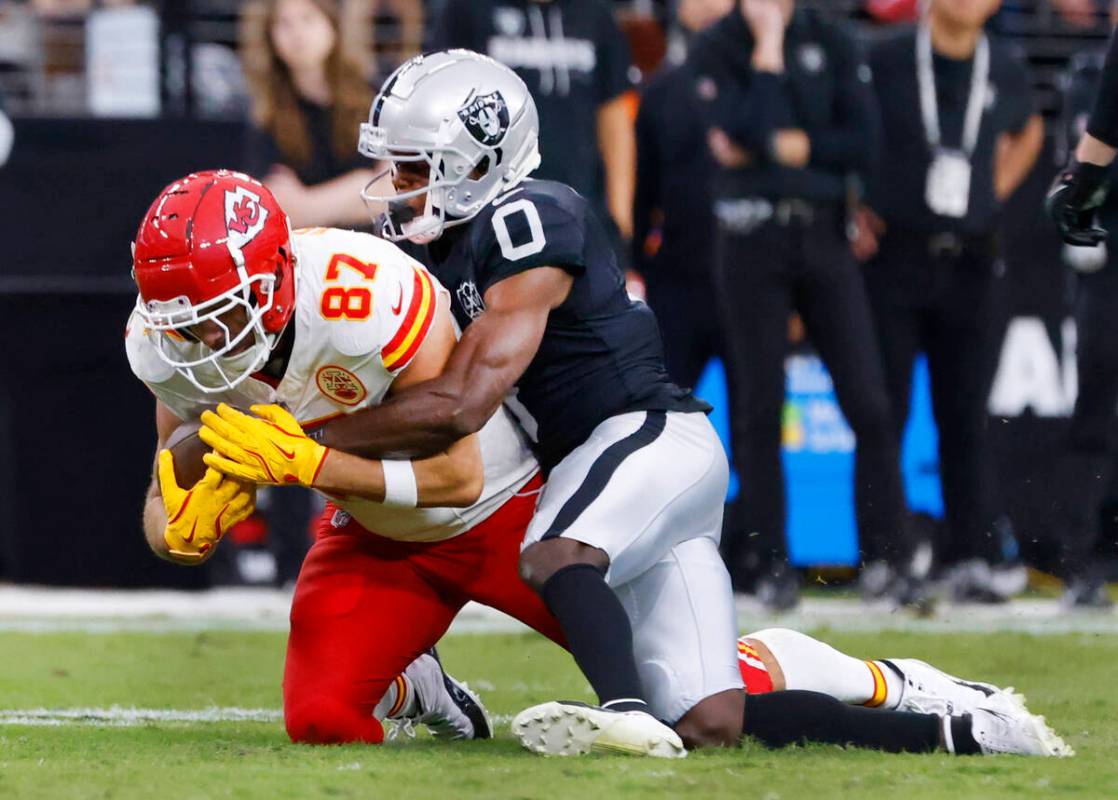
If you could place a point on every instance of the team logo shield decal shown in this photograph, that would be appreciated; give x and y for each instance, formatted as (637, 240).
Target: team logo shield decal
(486, 117)
(340, 385)
(244, 216)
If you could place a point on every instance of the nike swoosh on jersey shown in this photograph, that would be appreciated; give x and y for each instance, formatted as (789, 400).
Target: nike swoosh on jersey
(399, 300)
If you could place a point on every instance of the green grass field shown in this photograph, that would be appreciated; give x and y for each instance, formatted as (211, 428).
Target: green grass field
(1070, 678)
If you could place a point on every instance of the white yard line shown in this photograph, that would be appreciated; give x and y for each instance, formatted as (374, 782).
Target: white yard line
(45, 610)
(121, 717)
(117, 716)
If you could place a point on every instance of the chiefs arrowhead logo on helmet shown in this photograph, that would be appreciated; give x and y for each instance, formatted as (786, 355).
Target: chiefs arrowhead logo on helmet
(244, 216)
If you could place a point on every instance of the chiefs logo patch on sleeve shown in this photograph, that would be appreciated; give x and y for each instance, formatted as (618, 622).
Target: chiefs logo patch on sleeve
(340, 385)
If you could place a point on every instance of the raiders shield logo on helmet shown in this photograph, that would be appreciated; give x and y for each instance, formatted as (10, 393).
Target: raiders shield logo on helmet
(486, 117)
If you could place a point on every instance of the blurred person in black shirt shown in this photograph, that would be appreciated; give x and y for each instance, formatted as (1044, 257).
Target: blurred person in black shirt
(959, 136)
(309, 97)
(1087, 468)
(791, 117)
(673, 219)
(575, 61)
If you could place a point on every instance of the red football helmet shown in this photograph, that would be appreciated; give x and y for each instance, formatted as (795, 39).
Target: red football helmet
(211, 242)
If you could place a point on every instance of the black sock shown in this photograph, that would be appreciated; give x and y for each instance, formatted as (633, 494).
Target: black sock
(598, 633)
(962, 738)
(783, 718)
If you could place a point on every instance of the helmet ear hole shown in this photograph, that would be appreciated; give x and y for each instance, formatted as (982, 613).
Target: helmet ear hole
(482, 168)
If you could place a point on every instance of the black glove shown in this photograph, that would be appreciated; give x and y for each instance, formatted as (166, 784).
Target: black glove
(1075, 195)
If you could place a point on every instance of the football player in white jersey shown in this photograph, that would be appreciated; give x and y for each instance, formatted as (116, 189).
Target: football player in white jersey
(236, 309)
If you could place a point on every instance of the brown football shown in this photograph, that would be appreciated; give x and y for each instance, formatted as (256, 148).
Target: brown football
(187, 449)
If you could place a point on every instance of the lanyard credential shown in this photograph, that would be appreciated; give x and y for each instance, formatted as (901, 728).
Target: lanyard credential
(947, 191)
(929, 102)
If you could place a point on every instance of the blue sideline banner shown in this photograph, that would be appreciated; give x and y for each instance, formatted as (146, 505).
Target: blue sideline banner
(819, 458)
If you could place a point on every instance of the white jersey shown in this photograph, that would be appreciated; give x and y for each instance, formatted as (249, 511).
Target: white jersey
(363, 309)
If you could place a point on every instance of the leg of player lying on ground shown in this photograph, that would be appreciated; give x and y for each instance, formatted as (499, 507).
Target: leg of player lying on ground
(797, 689)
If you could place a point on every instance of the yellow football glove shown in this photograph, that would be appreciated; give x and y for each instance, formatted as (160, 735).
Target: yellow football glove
(198, 517)
(268, 448)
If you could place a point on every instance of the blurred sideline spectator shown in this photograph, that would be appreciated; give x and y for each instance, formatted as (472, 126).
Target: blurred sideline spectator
(786, 91)
(673, 218)
(309, 95)
(1087, 468)
(405, 39)
(960, 136)
(575, 61)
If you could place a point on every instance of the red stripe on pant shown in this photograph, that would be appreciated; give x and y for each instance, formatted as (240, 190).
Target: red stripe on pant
(365, 607)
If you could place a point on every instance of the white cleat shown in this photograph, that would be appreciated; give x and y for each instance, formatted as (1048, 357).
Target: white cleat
(573, 729)
(1023, 733)
(928, 690)
(448, 707)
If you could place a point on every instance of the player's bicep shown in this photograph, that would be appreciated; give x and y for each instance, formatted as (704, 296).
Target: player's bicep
(502, 342)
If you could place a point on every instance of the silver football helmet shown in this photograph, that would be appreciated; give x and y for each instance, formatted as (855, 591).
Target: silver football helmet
(470, 118)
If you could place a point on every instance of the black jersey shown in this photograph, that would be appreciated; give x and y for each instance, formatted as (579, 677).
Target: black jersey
(601, 352)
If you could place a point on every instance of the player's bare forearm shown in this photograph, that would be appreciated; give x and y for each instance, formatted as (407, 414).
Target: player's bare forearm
(1017, 154)
(155, 516)
(451, 479)
(428, 417)
(155, 520)
(617, 143)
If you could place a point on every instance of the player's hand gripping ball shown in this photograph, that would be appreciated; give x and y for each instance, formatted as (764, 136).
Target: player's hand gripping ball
(269, 447)
(197, 518)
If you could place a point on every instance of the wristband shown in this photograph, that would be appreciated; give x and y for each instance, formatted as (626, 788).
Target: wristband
(400, 488)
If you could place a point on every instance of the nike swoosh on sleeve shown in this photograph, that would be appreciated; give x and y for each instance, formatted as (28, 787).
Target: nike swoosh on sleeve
(399, 300)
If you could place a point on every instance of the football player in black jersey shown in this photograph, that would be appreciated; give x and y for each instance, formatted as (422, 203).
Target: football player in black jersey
(623, 545)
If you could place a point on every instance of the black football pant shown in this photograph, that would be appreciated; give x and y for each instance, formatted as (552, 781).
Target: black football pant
(1087, 466)
(762, 276)
(942, 303)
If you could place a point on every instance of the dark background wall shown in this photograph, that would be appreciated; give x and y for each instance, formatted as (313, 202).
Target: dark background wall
(76, 429)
